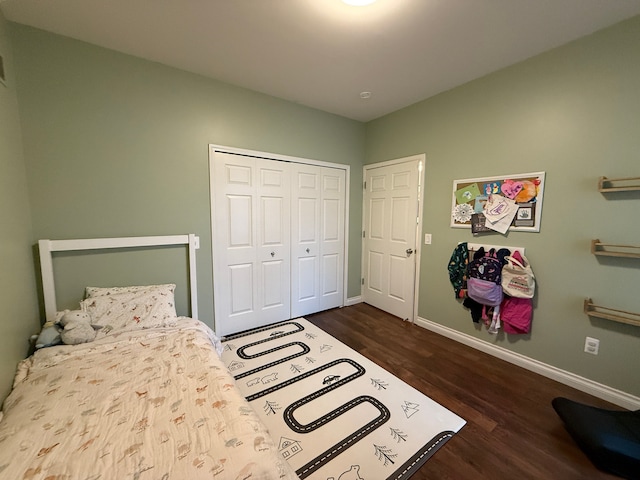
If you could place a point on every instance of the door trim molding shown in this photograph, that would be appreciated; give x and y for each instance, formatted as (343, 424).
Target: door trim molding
(215, 148)
(421, 158)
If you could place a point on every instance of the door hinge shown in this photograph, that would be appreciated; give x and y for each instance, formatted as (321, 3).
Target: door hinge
(362, 283)
(365, 185)
(364, 234)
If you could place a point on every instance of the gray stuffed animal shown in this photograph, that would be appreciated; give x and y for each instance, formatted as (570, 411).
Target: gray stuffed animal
(77, 327)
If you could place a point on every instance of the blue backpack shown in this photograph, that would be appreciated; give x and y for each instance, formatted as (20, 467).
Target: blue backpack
(485, 276)
(487, 267)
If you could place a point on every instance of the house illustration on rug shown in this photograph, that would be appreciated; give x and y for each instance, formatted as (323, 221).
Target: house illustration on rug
(288, 448)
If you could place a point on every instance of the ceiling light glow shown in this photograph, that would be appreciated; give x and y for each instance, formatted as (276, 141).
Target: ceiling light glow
(359, 3)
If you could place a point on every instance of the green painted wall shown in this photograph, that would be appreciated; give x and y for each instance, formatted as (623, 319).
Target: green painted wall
(572, 112)
(18, 296)
(118, 146)
(114, 145)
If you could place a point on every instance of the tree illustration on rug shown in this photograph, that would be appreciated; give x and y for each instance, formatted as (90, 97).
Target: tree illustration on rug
(296, 368)
(379, 384)
(384, 454)
(271, 408)
(310, 360)
(398, 435)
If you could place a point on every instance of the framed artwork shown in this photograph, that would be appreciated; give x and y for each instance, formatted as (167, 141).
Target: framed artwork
(499, 203)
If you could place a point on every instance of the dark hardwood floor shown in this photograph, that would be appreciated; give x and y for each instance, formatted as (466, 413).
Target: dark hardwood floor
(512, 432)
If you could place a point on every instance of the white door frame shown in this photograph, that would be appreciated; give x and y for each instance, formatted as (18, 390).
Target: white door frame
(421, 159)
(213, 148)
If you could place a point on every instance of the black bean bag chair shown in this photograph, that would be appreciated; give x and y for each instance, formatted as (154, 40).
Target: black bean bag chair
(610, 438)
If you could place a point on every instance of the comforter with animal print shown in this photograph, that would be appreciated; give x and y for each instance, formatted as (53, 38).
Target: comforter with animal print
(154, 404)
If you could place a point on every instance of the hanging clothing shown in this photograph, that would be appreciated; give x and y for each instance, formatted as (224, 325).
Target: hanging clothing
(475, 308)
(516, 313)
(458, 265)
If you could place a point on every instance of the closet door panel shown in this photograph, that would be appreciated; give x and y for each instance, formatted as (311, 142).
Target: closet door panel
(234, 237)
(307, 276)
(307, 221)
(305, 241)
(274, 240)
(278, 240)
(241, 275)
(274, 296)
(332, 238)
(331, 275)
(252, 242)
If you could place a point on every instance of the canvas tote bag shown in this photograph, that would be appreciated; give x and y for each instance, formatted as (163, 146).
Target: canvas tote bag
(517, 278)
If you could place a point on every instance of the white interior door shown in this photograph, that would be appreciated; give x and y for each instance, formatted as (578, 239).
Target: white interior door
(317, 228)
(391, 220)
(251, 207)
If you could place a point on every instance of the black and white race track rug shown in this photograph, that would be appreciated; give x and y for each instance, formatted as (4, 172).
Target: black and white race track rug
(335, 414)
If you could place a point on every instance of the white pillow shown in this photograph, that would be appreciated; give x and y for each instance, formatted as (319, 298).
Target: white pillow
(132, 310)
(100, 291)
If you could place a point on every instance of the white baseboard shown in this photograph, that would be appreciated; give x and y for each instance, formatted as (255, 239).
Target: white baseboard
(596, 389)
(353, 300)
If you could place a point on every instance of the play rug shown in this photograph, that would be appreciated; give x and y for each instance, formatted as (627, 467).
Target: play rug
(335, 414)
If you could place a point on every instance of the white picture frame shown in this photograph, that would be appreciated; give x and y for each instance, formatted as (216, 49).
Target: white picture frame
(469, 194)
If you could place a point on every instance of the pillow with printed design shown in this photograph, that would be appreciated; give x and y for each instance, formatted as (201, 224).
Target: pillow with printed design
(124, 310)
(101, 291)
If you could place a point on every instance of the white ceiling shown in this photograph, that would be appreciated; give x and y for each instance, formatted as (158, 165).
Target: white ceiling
(322, 53)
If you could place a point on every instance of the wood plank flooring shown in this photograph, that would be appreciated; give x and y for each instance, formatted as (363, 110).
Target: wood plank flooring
(512, 432)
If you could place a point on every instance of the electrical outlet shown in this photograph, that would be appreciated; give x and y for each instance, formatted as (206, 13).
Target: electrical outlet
(427, 239)
(591, 345)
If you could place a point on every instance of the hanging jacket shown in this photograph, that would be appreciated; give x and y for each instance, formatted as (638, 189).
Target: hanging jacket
(458, 269)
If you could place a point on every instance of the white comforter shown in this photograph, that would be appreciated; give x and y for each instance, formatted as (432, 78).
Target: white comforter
(154, 404)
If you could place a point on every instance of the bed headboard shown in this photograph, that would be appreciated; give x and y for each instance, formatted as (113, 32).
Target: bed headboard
(47, 247)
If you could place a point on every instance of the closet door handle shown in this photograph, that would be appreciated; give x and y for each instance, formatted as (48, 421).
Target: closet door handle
(307, 250)
(409, 252)
(273, 254)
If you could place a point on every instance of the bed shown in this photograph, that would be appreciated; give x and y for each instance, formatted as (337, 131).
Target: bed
(149, 398)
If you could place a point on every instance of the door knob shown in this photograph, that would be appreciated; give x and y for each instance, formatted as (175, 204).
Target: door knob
(273, 254)
(308, 250)
(409, 252)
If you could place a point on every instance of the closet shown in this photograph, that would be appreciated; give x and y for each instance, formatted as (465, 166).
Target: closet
(278, 230)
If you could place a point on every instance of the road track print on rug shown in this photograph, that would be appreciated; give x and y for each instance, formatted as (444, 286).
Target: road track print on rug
(335, 414)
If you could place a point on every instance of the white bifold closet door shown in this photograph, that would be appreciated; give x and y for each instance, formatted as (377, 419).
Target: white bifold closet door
(317, 229)
(279, 240)
(252, 242)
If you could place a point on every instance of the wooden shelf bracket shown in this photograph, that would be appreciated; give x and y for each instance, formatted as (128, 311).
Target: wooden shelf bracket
(613, 250)
(626, 184)
(621, 316)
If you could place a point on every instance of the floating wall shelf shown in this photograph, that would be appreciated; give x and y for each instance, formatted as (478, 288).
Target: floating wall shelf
(621, 316)
(625, 184)
(613, 250)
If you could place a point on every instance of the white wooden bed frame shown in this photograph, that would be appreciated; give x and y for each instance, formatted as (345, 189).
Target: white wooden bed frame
(47, 247)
